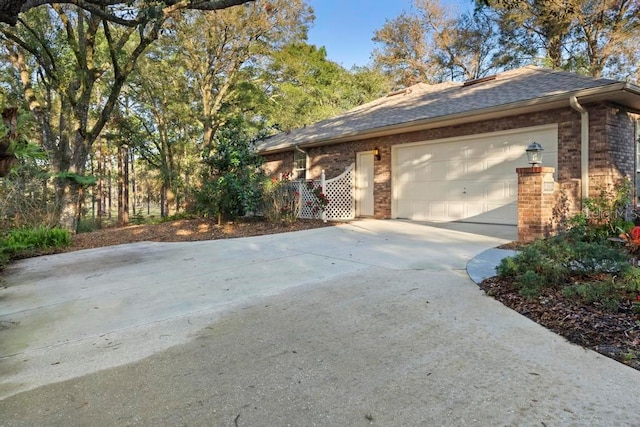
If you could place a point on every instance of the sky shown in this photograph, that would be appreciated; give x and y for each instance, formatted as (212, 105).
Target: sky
(346, 27)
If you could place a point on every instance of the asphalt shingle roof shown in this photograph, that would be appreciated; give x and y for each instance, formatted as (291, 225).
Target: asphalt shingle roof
(424, 102)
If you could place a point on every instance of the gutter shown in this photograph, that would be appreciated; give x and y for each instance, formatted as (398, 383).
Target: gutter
(584, 145)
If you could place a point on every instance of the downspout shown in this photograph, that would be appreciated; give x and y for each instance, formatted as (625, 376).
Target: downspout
(584, 145)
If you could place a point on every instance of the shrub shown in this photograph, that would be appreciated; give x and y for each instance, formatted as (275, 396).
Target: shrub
(232, 178)
(281, 199)
(604, 216)
(606, 293)
(530, 284)
(552, 262)
(36, 238)
(548, 259)
(589, 258)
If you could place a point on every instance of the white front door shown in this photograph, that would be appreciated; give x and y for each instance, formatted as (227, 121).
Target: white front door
(364, 184)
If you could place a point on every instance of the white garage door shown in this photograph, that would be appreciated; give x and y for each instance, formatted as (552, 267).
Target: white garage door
(466, 179)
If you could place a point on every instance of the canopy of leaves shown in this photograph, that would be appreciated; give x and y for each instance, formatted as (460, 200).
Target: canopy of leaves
(305, 87)
(598, 37)
(430, 44)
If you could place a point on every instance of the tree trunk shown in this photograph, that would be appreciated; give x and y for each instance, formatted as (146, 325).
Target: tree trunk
(125, 200)
(109, 192)
(100, 186)
(123, 185)
(163, 201)
(67, 199)
(134, 189)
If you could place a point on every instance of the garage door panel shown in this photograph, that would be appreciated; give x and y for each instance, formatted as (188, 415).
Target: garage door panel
(474, 209)
(455, 210)
(456, 169)
(472, 179)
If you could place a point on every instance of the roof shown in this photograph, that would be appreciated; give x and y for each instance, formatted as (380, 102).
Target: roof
(423, 106)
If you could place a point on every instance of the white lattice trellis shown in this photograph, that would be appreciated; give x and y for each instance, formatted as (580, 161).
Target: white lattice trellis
(339, 192)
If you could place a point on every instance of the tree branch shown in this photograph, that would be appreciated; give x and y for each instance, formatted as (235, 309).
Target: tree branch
(10, 9)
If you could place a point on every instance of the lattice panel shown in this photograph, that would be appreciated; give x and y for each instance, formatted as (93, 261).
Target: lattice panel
(339, 191)
(307, 200)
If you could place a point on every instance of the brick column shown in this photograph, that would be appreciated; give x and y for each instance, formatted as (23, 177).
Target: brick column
(536, 200)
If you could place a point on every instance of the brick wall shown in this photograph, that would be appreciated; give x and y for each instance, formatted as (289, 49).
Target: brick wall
(279, 163)
(535, 203)
(611, 131)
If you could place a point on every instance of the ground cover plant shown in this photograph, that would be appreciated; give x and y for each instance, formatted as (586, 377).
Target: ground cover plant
(30, 241)
(583, 284)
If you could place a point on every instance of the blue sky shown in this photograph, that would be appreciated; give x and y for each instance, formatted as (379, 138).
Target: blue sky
(346, 27)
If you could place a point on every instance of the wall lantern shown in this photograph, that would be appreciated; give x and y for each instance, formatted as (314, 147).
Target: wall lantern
(534, 153)
(376, 153)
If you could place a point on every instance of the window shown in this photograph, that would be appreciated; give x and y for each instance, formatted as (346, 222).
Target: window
(300, 164)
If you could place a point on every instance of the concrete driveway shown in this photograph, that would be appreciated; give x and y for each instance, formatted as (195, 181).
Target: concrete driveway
(375, 322)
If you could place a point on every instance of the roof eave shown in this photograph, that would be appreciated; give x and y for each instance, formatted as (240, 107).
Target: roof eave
(622, 93)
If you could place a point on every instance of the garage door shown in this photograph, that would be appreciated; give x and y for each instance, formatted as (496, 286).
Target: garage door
(466, 179)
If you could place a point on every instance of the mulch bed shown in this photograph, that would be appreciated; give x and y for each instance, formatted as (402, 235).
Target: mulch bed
(188, 231)
(615, 335)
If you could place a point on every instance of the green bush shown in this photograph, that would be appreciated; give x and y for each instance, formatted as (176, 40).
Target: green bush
(548, 259)
(606, 293)
(604, 215)
(21, 241)
(530, 284)
(232, 179)
(552, 262)
(589, 258)
(36, 238)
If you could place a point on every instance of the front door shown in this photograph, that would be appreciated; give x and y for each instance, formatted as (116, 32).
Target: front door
(364, 184)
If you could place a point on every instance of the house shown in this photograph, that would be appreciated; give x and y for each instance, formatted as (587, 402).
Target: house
(449, 152)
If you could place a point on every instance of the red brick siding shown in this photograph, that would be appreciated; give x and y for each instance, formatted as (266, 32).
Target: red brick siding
(276, 164)
(610, 130)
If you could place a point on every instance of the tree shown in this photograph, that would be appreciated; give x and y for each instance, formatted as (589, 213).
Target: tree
(166, 129)
(468, 49)
(594, 37)
(221, 61)
(232, 183)
(535, 26)
(431, 45)
(609, 32)
(304, 87)
(73, 63)
(406, 52)
(11, 9)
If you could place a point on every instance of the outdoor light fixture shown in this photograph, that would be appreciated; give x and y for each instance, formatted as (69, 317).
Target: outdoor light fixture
(534, 153)
(376, 153)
